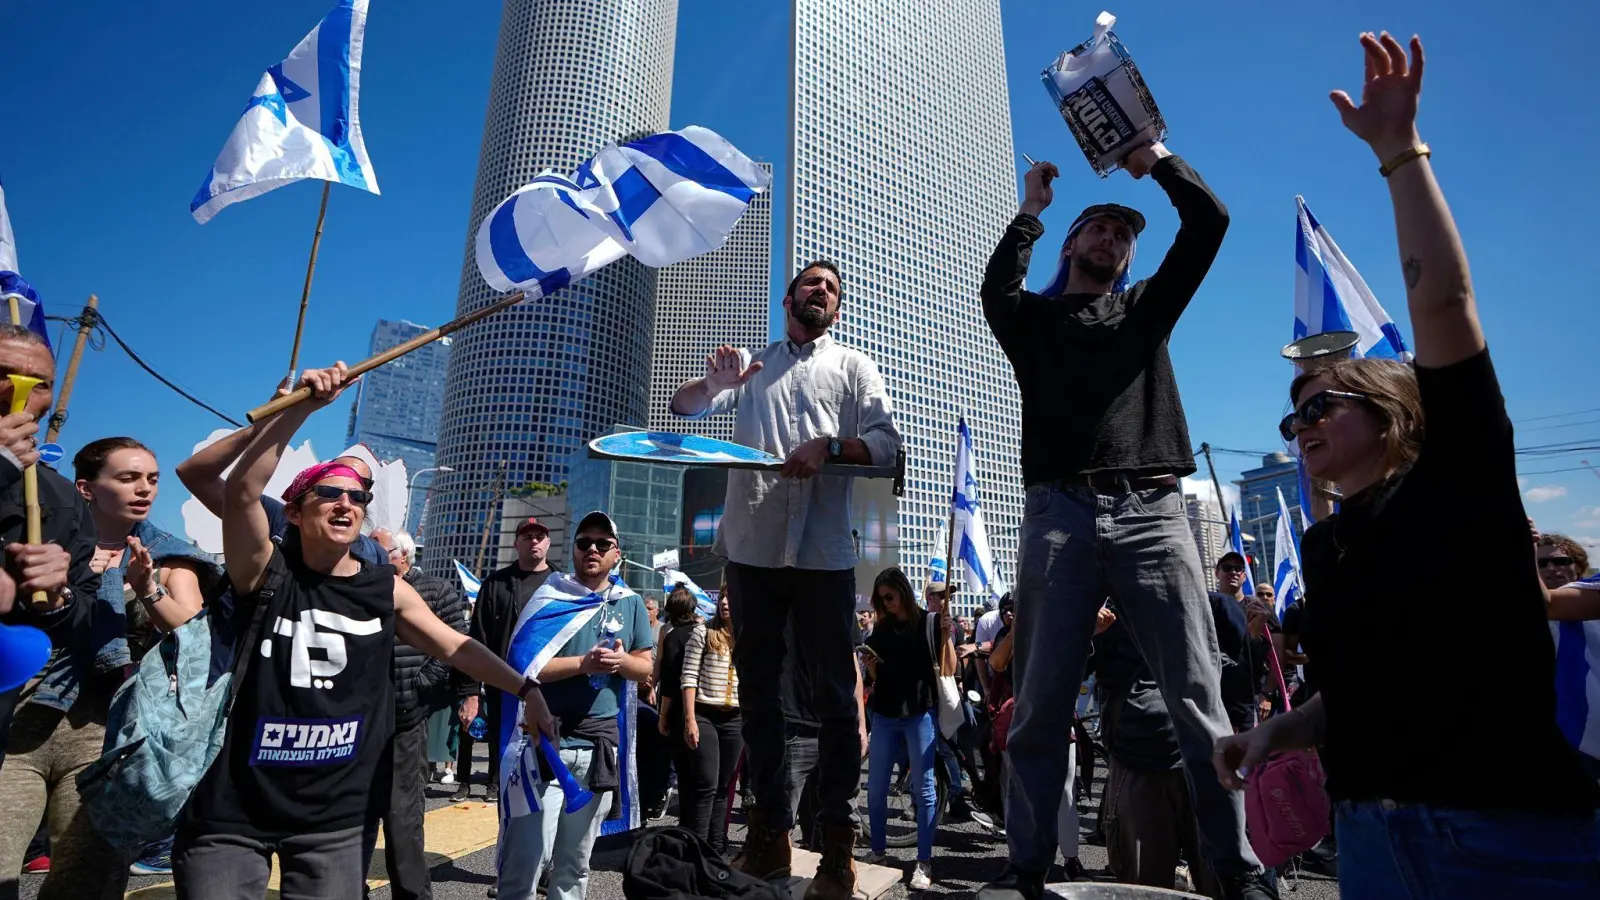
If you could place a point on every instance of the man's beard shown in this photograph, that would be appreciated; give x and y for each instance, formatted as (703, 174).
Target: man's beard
(816, 317)
(1101, 274)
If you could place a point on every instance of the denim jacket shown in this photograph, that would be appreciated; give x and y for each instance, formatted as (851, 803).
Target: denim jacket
(103, 648)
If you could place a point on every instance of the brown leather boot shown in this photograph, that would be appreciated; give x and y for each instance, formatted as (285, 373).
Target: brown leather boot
(766, 849)
(836, 872)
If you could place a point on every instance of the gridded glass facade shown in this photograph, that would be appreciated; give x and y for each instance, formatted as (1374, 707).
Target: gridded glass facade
(396, 413)
(529, 386)
(1258, 507)
(902, 173)
(702, 303)
(646, 502)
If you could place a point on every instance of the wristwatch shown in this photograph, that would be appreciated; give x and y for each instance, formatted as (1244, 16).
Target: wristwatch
(161, 593)
(835, 448)
(528, 684)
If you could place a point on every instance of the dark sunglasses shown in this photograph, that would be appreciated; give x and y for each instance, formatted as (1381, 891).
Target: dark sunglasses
(330, 492)
(1231, 567)
(587, 544)
(1312, 411)
(1556, 561)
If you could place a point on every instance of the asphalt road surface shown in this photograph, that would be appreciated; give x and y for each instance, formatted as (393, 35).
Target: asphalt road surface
(965, 855)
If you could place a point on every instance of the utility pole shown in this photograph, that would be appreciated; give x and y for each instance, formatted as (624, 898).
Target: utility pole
(489, 519)
(1215, 484)
(87, 321)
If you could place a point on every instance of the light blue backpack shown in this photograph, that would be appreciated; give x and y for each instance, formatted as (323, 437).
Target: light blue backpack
(166, 726)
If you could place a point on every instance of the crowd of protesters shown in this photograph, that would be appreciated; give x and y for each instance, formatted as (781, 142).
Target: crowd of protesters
(784, 682)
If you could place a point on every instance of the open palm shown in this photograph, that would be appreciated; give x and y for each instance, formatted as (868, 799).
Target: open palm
(1387, 116)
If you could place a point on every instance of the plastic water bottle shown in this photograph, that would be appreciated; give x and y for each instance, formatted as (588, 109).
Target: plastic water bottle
(479, 728)
(599, 680)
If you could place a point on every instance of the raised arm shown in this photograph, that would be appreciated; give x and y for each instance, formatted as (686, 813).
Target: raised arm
(725, 371)
(1003, 279)
(1202, 223)
(246, 535)
(202, 472)
(1438, 284)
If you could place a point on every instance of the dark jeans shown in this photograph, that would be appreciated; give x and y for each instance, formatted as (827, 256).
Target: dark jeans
(705, 771)
(1078, 547)
(403, 855)
(655, 759)
(824, 603)
(1420, 852)
(464, 748)
(232, 867)
(800, 780)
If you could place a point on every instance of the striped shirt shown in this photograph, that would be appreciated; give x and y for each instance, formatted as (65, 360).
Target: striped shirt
(710, 673)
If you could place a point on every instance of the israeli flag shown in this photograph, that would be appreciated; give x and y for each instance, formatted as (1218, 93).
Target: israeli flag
(1578, 678)
(300, 123)
(30, 310)
(971, 541)
(671, 578)
(469, 582)
(663, 199)
(1330, 295)
(1236, 541)
(1286, 562)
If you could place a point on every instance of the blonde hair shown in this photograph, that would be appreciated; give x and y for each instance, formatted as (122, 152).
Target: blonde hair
(719, 631)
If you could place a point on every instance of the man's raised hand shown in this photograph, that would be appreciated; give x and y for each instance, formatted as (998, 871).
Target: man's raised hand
(725, 369)
(1037, 194)
(1143, 159)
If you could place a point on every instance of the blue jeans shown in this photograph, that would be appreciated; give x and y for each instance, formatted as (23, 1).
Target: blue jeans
(1418, 852)
(892, 740)
(1078, 547)
(565, 839)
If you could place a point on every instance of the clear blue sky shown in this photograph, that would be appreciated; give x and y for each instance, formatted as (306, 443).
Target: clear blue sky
(114, 112)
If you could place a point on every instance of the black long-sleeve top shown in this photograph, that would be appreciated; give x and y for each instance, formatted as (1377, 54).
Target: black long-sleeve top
(1098, 393)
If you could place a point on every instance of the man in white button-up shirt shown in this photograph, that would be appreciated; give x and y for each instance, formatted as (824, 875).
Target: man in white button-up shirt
(787, 539)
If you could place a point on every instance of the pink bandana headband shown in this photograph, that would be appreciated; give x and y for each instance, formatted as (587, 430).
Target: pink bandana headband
(313, 474)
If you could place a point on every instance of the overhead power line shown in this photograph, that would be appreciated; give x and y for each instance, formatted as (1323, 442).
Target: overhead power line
(97, 342)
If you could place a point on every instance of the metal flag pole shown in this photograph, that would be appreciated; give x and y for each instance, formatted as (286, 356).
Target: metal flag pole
(305, 292)
(393, 353)
(950, 538)
(87, 320)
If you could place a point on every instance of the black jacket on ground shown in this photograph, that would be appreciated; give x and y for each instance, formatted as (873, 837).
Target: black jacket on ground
(420, 681)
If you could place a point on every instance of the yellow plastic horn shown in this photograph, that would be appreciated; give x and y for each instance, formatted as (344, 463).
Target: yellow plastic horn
(21, 388)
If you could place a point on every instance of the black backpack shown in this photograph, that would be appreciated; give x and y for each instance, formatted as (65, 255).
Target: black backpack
(672, 863)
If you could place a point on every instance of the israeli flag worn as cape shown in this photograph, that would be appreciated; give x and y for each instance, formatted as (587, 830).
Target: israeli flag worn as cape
(1286, 563)
(557, 610)
(300, 123)
(663, 199)
(1578, 678)
(671, 578)
(29, 309)
(469, 582)
(1236, 542)
(972, 542)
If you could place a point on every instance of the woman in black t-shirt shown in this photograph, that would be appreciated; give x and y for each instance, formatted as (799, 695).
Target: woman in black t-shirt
(301, 769)
(1426, 452)
(900, 660)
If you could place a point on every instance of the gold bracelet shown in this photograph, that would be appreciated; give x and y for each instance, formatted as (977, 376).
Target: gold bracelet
(1403, 157)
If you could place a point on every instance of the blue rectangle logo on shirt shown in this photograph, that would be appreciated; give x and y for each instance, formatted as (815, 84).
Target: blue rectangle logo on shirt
(305, 742)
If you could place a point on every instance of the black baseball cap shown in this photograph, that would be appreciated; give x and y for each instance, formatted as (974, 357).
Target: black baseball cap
(532, 525)
(1133, 217)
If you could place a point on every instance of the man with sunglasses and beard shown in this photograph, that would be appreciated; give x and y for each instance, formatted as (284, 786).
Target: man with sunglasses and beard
(788, 543)
(1104, 442)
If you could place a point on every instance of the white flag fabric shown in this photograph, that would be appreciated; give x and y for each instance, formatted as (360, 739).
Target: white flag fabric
(469, 582)
(971, 541)
(671, 578)
(662, 199)
(1286, 582)
(300, 123)
(8, 241)
(29, 309)
(1330, 295)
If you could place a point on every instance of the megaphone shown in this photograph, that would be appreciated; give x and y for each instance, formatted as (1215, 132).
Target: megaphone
(23, 652)
(1319, 351)
(577, 796)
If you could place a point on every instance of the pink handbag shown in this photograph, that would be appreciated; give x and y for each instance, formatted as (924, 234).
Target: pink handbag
(1285, 805)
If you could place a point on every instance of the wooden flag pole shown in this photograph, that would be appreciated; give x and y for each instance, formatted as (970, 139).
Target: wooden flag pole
(21, 387)
(86, 324)
(390, 355)
(305, 292)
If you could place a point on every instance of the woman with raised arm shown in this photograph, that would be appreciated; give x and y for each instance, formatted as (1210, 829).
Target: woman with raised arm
(1426, 450)
(302, 765)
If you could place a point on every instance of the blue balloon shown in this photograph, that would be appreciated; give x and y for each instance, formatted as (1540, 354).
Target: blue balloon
(23, 652)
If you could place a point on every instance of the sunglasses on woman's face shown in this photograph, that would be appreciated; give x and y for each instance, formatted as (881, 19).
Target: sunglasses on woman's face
(1312, 411)
(1556, 561)
(587, 544)
(331, 492)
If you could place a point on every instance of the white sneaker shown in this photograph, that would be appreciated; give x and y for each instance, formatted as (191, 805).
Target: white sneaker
(448, 778)
(921, 877)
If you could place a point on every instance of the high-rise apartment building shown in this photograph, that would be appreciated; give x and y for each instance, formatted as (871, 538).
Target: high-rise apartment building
(529, 386)
(1210, 534)
(722, 297)
(396, 413)
(1258, 507)
(901, 171)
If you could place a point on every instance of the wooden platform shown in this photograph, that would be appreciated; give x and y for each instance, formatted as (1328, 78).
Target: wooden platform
(872, 881)
(1091, 891)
